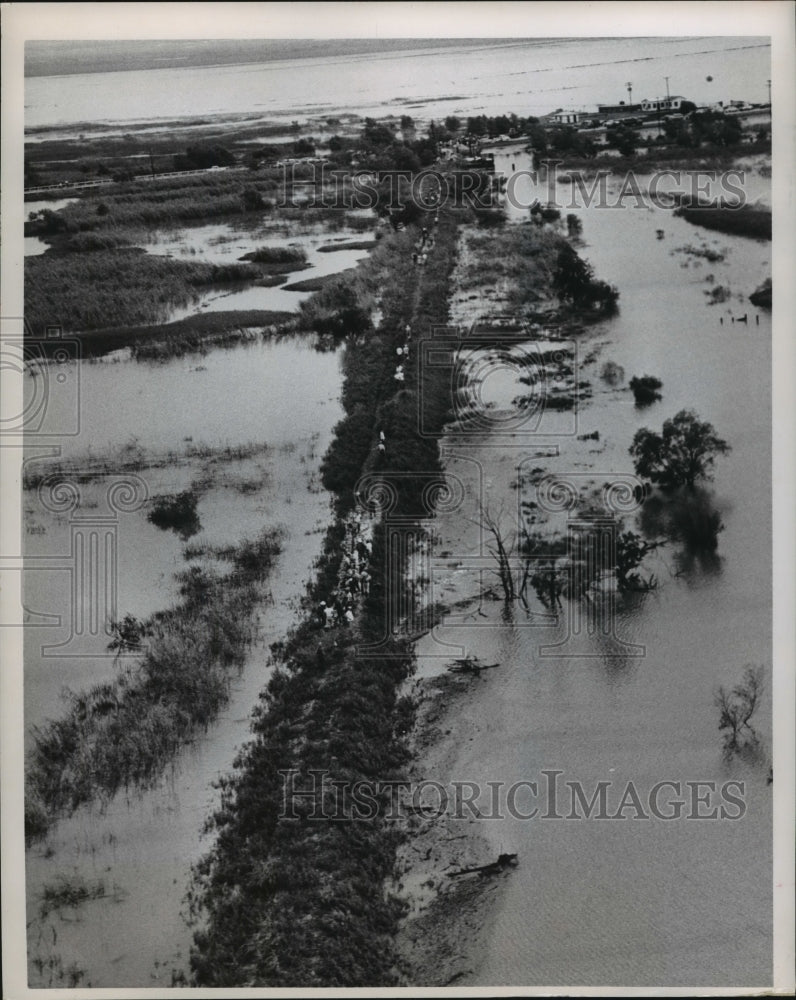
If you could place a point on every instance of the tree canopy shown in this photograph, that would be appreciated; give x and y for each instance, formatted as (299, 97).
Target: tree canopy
(574, 282)
(681, 455)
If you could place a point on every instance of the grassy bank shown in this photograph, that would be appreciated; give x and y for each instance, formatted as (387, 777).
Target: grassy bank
(301, 902)
(95, 291)
(123, 733)
(351, 245)
(536, 272)
(194, 333)
(754, 223)
(128, 212)
(314, 284)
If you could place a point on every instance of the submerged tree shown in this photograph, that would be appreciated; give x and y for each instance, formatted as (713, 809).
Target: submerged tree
(502, 551)
(574, 226)
(631, 549)
(645, 389)
(736, 708)
(574, 283)
(683, 454)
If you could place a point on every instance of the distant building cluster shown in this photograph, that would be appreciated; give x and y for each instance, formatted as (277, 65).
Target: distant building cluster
(626, 113)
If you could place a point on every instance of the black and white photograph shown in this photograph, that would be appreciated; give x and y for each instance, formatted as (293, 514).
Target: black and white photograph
(397, 536)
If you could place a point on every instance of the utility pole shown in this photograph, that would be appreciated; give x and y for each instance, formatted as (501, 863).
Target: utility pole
(629, 93)
(666, 78)
(768, 83)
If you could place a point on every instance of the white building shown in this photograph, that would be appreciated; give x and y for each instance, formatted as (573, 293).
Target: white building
(663, 104)
(570, 117)
(514, 166)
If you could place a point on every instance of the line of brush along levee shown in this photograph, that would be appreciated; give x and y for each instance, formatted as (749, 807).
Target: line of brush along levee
(301, 902)
(124, 732)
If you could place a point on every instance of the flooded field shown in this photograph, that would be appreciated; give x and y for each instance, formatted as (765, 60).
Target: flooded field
(141, 845)
(165, 456)
(629, 902)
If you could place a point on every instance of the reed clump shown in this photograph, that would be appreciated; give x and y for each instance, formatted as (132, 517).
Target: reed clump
(176, 512)
(122, 733)
(754, 223)
(114, 288)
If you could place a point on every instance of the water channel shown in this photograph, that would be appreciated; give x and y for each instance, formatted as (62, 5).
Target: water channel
(634, 902)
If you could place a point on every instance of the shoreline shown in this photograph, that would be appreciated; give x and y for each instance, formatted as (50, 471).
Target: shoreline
(441, 941)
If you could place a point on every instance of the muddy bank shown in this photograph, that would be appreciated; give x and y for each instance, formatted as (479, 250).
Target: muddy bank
(501, 292)
(441, 939)
(145, 841)
(316, 284)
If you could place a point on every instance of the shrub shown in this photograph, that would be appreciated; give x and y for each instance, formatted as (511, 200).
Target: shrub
(176, 513)
(612, 373)
(574, 225)
(575, 284)
(645, 389)
(277, 255)
(252, 200)
(762, 296)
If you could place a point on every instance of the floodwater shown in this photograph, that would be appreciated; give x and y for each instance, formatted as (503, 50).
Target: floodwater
(223, 244)
(621, 902)
(141, 846)
(634, 902)
(220, 244)
(527, 75)
(162, 405)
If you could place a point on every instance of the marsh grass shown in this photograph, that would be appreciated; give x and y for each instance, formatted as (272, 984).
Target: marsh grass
(114, 288)
(277, 255)
(129, 209)
(69, 892)
(163, 202)
(53, 972)
(754, 223)
(134, 458)
(705, 252)
(123, 733)
(192, 335)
